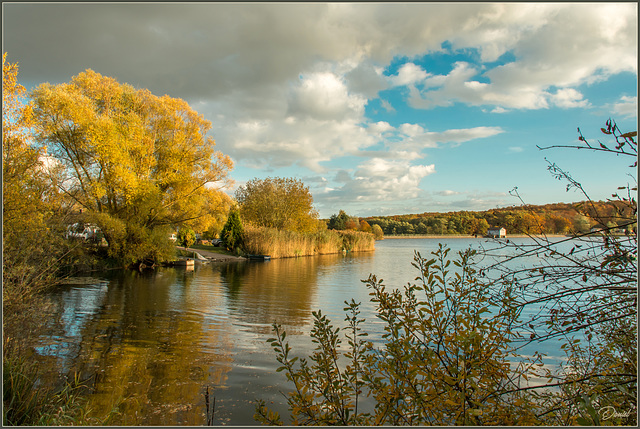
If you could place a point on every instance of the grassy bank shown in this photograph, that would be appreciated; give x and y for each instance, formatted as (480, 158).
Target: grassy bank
(285, 244)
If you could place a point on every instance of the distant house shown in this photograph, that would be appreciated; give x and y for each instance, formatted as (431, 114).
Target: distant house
(497, 232)
(85, 231)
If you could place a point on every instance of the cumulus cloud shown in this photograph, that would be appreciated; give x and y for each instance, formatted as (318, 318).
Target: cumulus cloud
(627, 107)
(224, 48)
(549, 43)
(409, 74)
(324, 96)
(307, 142)
(382, 180)
(366, 79)
(569, 98)
(459, 86)
(289, 84)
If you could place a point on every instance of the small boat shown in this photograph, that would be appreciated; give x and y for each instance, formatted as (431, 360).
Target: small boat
(259, 257)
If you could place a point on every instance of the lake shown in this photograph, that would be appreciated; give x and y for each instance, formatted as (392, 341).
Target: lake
(150, 343)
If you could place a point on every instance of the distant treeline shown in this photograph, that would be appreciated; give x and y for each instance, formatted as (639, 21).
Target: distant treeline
(558, 218)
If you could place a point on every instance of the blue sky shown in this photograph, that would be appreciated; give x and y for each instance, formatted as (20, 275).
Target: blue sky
(379, 108)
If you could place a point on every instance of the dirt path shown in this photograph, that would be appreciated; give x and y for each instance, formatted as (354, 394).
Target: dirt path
(213, 256)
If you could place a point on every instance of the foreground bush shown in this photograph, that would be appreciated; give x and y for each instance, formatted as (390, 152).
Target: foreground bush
(447, 357)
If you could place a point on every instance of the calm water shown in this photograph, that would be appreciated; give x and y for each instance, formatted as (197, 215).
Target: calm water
(151, 343)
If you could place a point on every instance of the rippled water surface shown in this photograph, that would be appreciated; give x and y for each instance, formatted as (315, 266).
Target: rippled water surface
(152, 342)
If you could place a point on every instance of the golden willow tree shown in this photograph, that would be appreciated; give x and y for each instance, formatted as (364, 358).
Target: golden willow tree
(277, 202)
(135, 163)
(31, 207)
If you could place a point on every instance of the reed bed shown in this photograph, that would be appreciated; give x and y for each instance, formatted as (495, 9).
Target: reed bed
(286, 244)
(29, 404)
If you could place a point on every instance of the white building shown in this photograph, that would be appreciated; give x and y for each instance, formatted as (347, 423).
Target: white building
(497, 232)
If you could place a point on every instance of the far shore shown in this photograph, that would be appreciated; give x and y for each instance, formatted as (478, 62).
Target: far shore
(394, 237)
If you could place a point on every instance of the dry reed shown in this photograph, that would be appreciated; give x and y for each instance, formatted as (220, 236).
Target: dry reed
(285, 244)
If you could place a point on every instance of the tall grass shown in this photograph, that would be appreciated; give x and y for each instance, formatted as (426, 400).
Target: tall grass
(357, 241)
(285, 244)
(28, 402)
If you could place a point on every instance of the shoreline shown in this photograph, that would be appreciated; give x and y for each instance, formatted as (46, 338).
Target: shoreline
(431, 236)
(214, 256)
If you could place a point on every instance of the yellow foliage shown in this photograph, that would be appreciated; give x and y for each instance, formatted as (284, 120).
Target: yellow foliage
(285, 244)
(276, 202)
(129, 154)
(30, 200)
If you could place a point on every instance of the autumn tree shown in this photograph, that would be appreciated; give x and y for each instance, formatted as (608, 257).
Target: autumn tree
(581, 223)
(377, 232)
(137, 164)
(186, 237)
(33, 253)
(216, 208)
(276, 202)
(558, 224)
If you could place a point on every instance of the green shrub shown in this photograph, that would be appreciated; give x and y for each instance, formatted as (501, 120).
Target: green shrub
(233, 232)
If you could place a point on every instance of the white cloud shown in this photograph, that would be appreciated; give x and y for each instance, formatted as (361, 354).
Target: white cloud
(447, 193)
(288, 84)
(325, 96)
(382, 180)
(627, 107)
(569, 98)
(458, 136)
(412, 130)
(458, 86)
(307, 142)
(409, 74)
(559, 45)
(387, 106)
(415, 137)
(380, 128)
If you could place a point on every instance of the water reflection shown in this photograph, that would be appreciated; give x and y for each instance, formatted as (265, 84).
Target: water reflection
(261, 293)
(152, 342)
(147, 346)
